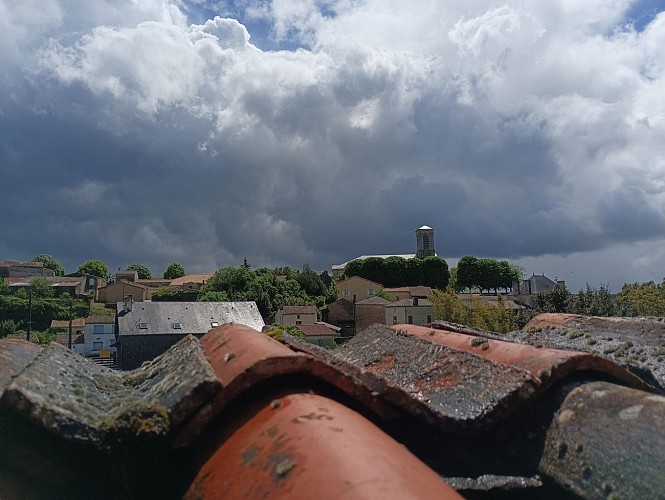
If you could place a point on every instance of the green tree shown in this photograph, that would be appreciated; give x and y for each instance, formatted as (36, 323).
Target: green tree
(310, 282)
(353, 268)
(435, 272)
(174, 271)
(141, 269)
(396, 272)
(41, 287)
(556, 299)
(468, 273)
(592, 302)
(4, 287)
(645, 299)
(50, 262)
(382, 294)
(94, 268)
(165, 294)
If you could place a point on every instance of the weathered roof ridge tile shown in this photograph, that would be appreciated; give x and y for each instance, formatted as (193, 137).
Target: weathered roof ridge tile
(78, 400)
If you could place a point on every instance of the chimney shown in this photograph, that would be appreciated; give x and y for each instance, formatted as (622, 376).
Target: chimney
(129, 302)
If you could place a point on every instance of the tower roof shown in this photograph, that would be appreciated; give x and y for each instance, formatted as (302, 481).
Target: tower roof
(424, 227)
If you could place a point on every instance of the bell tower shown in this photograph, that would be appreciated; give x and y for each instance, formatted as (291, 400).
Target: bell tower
(425, 242)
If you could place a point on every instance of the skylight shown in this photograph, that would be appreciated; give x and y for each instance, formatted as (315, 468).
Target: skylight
(177, 326)
(143, 326)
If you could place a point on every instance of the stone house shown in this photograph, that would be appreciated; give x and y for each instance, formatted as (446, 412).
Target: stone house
(320, 334)
(341, 313)
(414, 312)
(370, 311)
(296, 315)
(409, 292)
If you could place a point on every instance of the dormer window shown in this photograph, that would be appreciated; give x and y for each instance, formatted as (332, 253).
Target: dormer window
(214, 324)
(143, 326)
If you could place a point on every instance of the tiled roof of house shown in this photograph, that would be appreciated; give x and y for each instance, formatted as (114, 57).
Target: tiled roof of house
(373, 301)
(409, 303)
(64, 323)
(414, 291)
(298, 310)
(317, 330)
(191, 278)
(100, 320)
(238, 414)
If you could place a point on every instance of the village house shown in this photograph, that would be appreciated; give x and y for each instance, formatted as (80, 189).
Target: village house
(321, 334)
(147, 329)
(296, 315)
(409, 292)
(412, 312)
(356, 288)
(15, 269)
(370, 311)
(341, 313)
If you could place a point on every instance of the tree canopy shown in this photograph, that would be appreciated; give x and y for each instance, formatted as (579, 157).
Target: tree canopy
(50, 262)
(486, 274)
(94, 268)
(141, 269)
(397, 271)
(174, 271)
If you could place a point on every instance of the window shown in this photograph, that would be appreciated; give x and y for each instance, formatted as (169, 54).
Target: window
(214, 324)
(429, 319)
(370, 291)
(91, 281)
(298, 316)
(298, 322)
(97, 329)
(394, 320)
(426, 241)
(96, 346)
(410, 320)
(143, 326)
(177, 326)
(347, 293)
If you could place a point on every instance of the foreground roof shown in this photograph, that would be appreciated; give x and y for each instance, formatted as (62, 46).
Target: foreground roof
(401, 412)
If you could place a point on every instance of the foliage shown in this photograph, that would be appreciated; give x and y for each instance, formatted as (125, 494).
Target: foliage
(41, 287)
(46, 337)
(480, 314)
(94, 268)
(166, 294)
(4, 287)
(50, 262)
(557, 299)
(486, 274)
(142, 270)
(645, 299)
(174, 271)
(310, 282)
(44, 310)
(592, 302)
(7, 327)
(383, 294)
(278, 330)
(264, 287)
(99, 309)
(397, 271)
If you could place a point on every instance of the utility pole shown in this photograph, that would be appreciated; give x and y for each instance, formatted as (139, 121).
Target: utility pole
(70, 323)
(27, 335)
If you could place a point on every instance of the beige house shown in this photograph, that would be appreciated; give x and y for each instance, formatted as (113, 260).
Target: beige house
(190, 282)
(413, 312)
(370, 311)
(356, 288)
(296, 315)
(320, 334)
(116, 292)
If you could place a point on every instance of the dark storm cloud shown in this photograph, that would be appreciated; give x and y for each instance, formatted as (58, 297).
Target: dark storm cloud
(129, 134)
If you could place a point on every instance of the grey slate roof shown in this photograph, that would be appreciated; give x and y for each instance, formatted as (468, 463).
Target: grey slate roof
(193, 317)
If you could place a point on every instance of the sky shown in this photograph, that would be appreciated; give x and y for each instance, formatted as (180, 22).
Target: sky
(290, 132)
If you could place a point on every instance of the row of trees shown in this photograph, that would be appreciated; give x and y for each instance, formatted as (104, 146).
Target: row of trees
(397, 271)
(269, 288)
(101, 270)
(636, 299)
(486, 274)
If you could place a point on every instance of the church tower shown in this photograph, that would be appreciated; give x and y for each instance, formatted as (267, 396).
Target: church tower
(425, 242)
